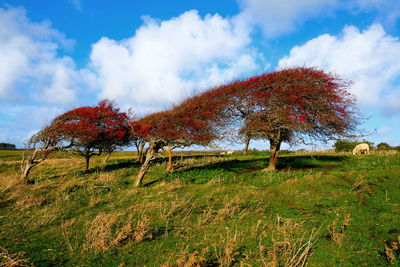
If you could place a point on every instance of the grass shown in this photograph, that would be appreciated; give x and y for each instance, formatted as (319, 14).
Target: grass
(322, 209)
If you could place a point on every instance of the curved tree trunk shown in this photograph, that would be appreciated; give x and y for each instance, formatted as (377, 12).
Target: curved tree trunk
(38, 155)
(170, 167)
(26, 171)
(246, 148)
(141, 154)
(107, 157)
(150, 156)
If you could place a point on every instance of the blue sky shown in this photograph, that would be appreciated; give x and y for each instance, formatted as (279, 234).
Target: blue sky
(58, 55)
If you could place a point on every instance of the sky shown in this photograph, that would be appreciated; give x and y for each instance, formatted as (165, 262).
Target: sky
(146, 55)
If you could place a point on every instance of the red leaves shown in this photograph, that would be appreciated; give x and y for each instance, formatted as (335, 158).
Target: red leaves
(299, 99)
(101, 127)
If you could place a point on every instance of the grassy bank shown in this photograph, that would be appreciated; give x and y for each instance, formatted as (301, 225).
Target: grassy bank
(322, 209)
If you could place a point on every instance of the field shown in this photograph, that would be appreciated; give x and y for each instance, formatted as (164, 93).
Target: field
(320, 209)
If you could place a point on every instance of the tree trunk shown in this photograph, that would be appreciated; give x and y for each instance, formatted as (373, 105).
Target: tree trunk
(26, 171)
(150, 156)
(246, 148)
(170, 167)
(87, 158)
(273, 158)
(275, 146)
(140, 151)
(107, 157)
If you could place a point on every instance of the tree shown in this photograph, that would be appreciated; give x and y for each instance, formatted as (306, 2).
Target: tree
(197, 120)
(299, 104)
(93, 130)
(38, 148)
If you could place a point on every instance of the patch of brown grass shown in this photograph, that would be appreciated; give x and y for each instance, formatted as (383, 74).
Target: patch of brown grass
(290, 247)
(390, 251)
(227, 252)
(12, 260)
(106, 231)
(337, 231)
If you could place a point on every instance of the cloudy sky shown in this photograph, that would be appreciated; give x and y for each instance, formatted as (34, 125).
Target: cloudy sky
(58, 55)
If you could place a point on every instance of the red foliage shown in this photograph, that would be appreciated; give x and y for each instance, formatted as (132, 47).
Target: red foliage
(197, 120)
(94, 127)
(302, 100)
(91, 130)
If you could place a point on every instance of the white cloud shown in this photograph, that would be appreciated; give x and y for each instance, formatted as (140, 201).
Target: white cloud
(388, 10)
(278, 17)
(165, 59)
(371, 59)
(275, 18)
(30, 65)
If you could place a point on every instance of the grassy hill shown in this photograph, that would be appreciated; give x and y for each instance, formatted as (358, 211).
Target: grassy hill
(318, 209)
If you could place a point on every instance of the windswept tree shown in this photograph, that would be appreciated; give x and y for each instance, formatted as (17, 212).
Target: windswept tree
(198, 120)
(93, 130)
(39, 147)
(299, 104)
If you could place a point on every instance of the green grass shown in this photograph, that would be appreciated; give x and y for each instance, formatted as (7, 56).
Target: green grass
(217, 210)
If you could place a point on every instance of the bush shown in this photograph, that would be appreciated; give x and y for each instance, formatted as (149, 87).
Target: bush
(344, 145)
(383, 146)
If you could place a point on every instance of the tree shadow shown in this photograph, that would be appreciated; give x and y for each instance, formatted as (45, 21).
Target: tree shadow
(109, 167)
(309, 162)
(285, 163)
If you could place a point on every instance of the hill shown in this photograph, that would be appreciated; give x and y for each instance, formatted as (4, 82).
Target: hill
(321, 209)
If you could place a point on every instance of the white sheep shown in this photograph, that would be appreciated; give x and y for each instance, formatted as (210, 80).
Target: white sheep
(360, 148)
(229, 152)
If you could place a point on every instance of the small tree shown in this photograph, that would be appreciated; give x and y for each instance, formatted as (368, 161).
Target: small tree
(38, 148)
(93, 130)
(299, 104)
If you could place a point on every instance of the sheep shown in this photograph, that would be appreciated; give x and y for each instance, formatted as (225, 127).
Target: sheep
(360, 148)
(229, 152)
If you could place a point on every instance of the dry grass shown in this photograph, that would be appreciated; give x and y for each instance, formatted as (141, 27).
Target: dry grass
(227, 252)
(391, 250)
(337, 232)
(106, 231)
(12, 260)
(187, 259)
(290, 245)
(359, 185)
(99, 236)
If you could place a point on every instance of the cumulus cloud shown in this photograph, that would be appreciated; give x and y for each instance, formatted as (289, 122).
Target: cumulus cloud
(370, 58)
(388, 10)
(165, 59)
(31, 65)
(275, 18)
(278, 17)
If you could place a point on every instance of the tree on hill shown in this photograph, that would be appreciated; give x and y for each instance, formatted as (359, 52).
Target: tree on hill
(299, 104)
(198, 120)
(38, 147)
(91, 131)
